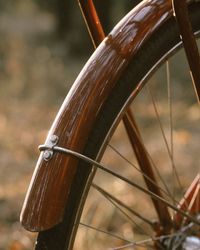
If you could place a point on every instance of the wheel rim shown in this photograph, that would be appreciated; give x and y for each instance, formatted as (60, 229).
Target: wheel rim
(178, 138)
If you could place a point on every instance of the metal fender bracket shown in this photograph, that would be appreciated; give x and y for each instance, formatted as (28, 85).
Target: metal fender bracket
(48, 147)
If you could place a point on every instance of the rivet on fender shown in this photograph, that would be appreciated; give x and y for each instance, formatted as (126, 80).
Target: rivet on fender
(48, 148)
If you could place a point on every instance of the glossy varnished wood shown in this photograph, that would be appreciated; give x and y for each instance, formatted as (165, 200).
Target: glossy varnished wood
(47, 196)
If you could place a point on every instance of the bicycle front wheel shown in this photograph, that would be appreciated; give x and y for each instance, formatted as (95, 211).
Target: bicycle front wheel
(147, 134)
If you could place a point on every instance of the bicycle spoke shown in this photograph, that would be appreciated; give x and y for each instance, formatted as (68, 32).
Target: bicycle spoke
(145, 165)
(147, 241)
(166, 192)
(142, 244)
(110, 196)
(129, 114)
(139, 228)
(130, 243)
(104, 232)
(169, 92)
(164, 137)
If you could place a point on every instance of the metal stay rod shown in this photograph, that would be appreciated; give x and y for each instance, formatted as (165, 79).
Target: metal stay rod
(54, 148)
(189, 42)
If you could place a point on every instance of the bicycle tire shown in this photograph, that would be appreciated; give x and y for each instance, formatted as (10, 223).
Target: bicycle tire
(166, 39)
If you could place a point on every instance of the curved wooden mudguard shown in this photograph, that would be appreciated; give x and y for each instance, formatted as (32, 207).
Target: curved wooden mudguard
(47, 195)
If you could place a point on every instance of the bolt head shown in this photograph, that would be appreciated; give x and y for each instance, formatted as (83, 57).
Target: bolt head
(54, 139)
(47, 155)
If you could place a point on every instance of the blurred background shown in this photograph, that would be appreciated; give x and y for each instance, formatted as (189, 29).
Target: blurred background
(43, 46)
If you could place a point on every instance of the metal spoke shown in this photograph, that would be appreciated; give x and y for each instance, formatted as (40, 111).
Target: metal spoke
(142, 243)
(169, 91)
(126, 215)
(146, 167)
(129, 243)
(104, 232)
(164, 137)
(133, 245)
(166, 192)
(110, 196)
(147, 241)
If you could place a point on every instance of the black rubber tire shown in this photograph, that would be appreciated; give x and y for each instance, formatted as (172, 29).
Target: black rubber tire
(162, 41)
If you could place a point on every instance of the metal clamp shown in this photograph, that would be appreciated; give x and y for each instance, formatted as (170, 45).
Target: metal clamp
(51, 146)
(48, 148)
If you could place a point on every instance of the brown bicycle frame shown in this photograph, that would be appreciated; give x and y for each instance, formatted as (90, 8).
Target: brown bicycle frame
(50, 186)
(97, 35)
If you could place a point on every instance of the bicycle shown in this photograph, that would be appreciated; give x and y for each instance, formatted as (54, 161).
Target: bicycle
(80, 136)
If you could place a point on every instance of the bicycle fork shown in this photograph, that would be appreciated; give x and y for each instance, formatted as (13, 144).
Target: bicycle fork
(189, 43)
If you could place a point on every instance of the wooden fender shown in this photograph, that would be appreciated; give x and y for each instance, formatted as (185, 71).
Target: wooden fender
(50, 185)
